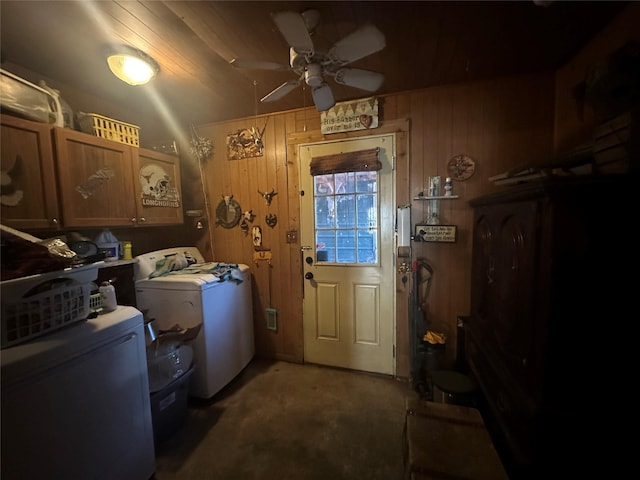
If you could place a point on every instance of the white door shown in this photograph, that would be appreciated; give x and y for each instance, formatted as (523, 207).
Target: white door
(347, 237)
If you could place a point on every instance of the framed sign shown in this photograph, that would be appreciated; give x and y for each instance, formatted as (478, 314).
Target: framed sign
(436, 233)
(350, 116)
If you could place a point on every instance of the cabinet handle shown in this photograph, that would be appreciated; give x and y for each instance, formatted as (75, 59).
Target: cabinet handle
(133, 220)
(142, 220)
(54, 221)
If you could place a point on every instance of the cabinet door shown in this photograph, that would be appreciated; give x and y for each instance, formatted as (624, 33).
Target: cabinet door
(516, 269)
(28, 175)
(96, 185)
(483, 269)
(158, 189)
(504, 273)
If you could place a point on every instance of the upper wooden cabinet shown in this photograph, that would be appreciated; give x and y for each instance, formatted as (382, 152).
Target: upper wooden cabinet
(57, 177)
(29, 196)
(105, 183)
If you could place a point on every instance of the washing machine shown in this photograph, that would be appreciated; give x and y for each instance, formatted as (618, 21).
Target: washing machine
(225, 343)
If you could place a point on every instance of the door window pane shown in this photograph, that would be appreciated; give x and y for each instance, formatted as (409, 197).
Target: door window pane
(346, 217)
(325, 212)
(346, 211)
(345, 182)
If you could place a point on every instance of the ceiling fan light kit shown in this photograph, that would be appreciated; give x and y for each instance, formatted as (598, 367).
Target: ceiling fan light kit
(313, 66)
(362, 79)
(323, 98)
(313, 75)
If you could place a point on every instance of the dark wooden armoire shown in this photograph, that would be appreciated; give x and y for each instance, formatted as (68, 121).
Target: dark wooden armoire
(553, 273)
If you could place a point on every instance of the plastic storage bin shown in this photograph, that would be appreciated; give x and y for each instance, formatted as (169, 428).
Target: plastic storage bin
(29, 100)
(105, 127)
(169, 408)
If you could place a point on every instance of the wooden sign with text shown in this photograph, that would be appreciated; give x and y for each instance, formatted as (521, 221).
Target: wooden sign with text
(436, 233)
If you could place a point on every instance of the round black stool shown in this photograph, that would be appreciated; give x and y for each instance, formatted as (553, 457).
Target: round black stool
(453, 387)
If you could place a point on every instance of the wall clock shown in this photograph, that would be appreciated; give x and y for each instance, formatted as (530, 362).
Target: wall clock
(461, 167)
(228, 212)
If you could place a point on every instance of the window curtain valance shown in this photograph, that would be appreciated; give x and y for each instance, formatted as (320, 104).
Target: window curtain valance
(360, 161)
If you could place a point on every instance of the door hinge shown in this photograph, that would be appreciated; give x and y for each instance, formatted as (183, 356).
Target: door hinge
(394, 351)
(393, 162)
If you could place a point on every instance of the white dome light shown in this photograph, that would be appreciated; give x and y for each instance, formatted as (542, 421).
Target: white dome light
(132, 66)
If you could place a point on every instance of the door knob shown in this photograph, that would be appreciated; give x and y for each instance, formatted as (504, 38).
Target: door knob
(308, 275)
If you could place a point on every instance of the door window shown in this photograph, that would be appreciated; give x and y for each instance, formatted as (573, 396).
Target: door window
(346, 217)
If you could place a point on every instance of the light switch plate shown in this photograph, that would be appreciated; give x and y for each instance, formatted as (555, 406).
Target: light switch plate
(292, 236)
(272, 319)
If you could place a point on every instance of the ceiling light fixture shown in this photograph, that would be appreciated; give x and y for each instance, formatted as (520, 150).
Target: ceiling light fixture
(132, 66)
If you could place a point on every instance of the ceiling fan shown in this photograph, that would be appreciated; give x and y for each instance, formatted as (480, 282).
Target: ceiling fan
(312, 66)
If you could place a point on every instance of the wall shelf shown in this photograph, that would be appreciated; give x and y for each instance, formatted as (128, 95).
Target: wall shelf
(433, 206)
(440, 197)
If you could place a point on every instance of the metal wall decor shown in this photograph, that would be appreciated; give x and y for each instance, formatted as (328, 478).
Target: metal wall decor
(247, 217)
(245, 143)
(201, 147)
(271, 219)
(257, 137)
(461, 167)
(256, 236)
(268, 196)
(228, 212)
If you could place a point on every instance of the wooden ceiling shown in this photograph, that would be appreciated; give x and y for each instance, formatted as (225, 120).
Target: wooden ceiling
(428, 44)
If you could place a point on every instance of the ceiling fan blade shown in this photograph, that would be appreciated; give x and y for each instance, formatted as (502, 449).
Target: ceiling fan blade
(259, 65)
(281, 91)
(359, 44)
(294, 30)
(362, 79)
(323, 98)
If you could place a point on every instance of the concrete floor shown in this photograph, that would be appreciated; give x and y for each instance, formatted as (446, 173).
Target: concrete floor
(280, 420)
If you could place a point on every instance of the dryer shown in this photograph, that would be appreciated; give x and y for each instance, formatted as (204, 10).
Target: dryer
(225, 344)
(75, 403)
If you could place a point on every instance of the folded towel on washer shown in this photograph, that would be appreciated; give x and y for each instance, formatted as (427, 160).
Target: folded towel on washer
(223, 271)
(169, 264)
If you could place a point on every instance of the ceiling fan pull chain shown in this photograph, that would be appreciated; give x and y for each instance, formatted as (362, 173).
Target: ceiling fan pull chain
(255, 99)
(304, 106)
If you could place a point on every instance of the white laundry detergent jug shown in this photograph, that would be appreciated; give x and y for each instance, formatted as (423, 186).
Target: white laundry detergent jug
(108, 243)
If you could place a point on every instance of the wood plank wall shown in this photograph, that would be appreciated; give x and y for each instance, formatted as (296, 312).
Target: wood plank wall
(572, 128)
(500, 123)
